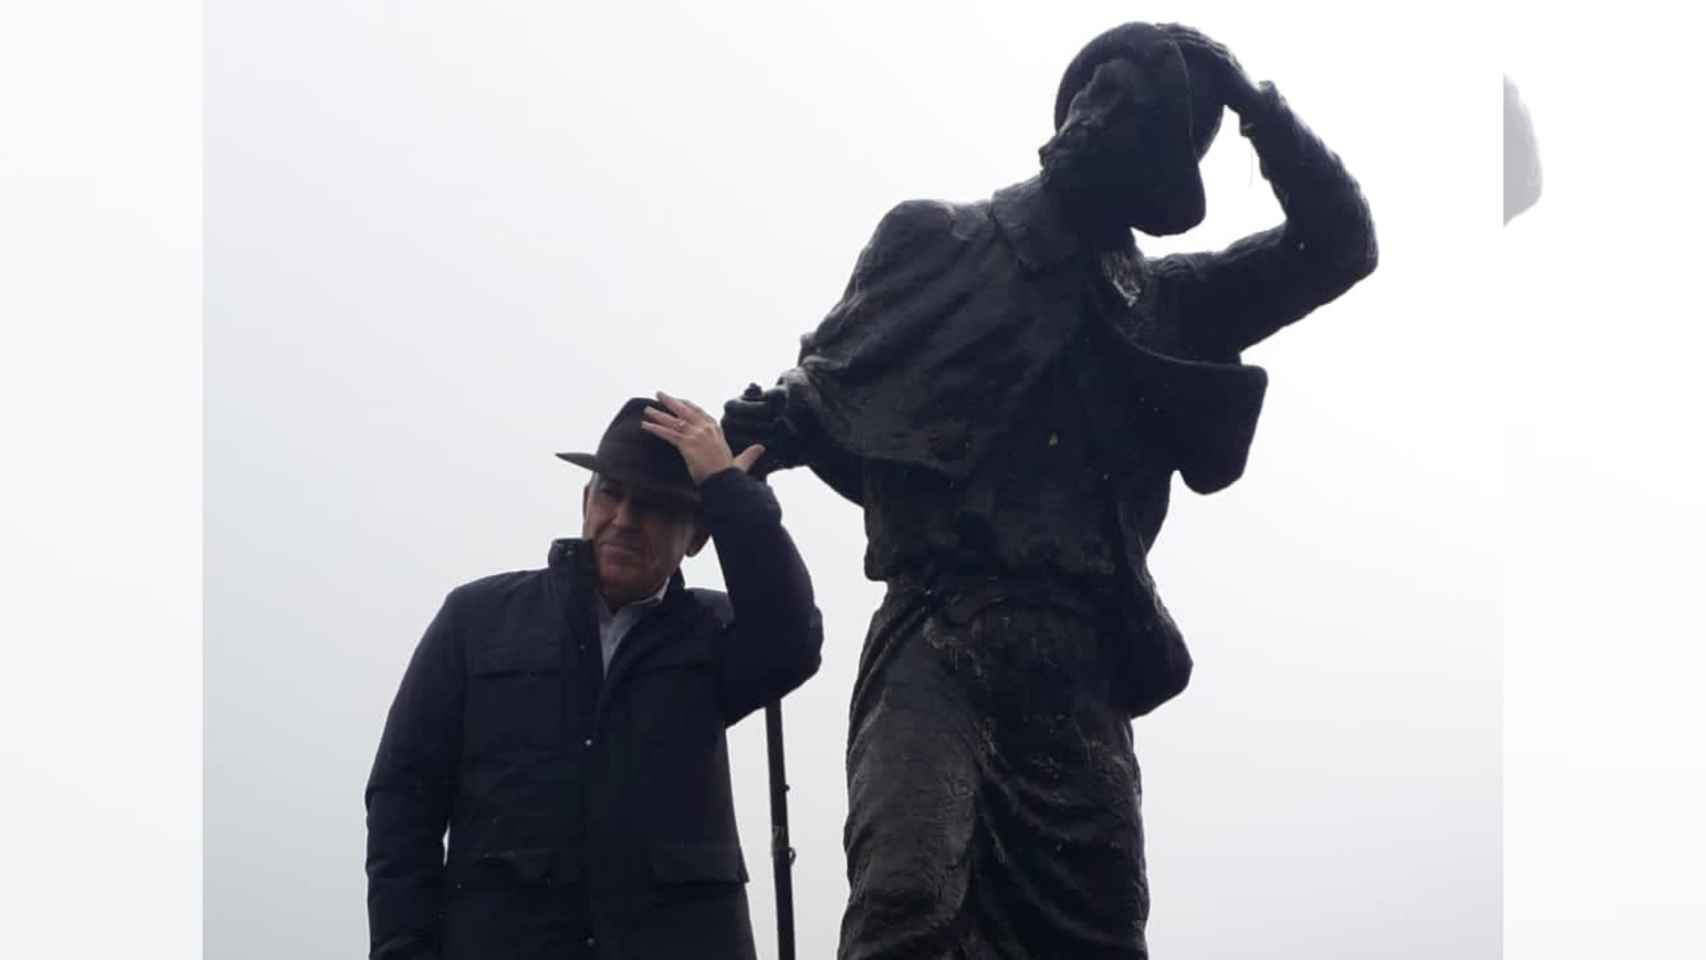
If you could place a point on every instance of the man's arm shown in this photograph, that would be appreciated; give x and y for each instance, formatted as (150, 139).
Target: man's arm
(1227, 301)
(409, 798)
(775, 640)
(772, 643)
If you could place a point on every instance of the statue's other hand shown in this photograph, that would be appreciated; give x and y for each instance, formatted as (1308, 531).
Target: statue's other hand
(759, 417)
(1209, 58)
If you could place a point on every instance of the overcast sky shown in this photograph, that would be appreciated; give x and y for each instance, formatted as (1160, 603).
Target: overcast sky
(1598, 306)
(444, 240)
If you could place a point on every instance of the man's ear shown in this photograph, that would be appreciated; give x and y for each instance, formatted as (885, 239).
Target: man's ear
(700, 537)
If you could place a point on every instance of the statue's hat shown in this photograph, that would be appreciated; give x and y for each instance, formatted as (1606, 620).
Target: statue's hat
(1150, 47)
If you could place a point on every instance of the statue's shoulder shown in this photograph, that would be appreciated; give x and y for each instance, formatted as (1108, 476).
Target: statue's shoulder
(915, 221)
(924, 234)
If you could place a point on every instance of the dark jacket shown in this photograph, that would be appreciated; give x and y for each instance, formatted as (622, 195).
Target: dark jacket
(588, 815)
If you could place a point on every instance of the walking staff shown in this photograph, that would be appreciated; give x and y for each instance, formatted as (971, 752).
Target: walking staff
(781, 853)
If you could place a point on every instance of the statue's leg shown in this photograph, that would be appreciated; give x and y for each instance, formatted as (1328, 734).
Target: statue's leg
(912, 773)
(1060, 798)
(993, 793)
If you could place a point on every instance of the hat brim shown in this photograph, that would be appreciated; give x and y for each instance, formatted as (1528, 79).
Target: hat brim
(686, 498)
(586, 460)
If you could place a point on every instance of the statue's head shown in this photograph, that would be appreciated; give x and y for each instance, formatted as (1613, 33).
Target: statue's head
(1131, 129)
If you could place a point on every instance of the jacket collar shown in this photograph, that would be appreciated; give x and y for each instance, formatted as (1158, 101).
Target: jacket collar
(567, 555)
(571, 565)
(607, 615)
(570, 559)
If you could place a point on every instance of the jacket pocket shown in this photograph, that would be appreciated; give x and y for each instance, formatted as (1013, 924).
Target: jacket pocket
(685, 863)
(509, 868)
(538, 654)
(515, 698)
(506, 903)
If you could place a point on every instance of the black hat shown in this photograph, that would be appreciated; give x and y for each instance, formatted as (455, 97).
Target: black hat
(1151, 47)
(631, 455)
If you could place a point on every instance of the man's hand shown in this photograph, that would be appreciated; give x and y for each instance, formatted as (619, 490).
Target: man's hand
(1210, 60)
(698, 436)
(757, 416)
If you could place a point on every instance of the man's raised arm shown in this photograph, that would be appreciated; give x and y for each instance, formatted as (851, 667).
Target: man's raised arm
(775, 641)
(773, 637)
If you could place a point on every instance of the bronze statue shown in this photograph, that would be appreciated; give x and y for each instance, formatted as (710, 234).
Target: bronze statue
(1006, 388)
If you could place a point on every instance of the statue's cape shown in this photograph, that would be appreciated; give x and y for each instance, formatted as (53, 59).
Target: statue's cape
(953, 314)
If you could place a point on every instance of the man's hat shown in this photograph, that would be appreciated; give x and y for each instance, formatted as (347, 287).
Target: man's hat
(631, 455)
(1151, 47)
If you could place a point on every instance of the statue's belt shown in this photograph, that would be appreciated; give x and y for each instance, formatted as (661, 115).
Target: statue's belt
(960, 597)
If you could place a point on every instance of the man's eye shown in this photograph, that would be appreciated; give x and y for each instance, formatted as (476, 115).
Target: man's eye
(648, 505)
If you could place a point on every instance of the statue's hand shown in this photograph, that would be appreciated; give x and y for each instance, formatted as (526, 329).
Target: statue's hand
(1210, 59)
(758, 416)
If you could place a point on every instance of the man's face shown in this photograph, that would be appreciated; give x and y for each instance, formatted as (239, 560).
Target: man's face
(637, 538)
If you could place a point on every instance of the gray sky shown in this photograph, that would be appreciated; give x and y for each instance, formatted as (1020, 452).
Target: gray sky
(444, 240)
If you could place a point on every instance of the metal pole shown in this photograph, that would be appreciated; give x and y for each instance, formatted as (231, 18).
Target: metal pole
(781, 854)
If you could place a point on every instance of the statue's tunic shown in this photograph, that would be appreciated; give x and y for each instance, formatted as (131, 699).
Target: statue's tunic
(1017, 405)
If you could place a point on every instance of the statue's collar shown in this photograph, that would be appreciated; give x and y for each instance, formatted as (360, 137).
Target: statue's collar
(1035, 224)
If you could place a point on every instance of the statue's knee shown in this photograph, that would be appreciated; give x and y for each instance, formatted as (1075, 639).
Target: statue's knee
(913, 890)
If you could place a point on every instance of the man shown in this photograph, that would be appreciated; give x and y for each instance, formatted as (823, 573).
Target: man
(1006, 388)
(567, 724)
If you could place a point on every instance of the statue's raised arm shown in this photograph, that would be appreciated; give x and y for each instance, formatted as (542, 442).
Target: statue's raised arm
(1222, 302)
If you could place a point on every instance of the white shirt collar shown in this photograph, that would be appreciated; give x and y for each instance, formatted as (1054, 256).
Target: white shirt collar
(605, 614)
(614, 625)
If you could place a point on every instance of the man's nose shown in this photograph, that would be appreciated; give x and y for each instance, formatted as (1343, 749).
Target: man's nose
(627, 513)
